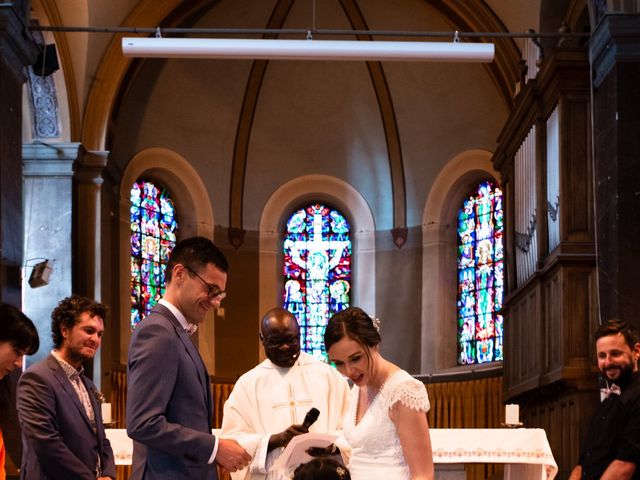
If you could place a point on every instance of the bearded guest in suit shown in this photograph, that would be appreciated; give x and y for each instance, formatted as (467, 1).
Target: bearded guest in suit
(169, 403)
(60, 416)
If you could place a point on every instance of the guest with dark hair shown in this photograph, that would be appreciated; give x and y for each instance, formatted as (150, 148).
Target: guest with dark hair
(386, 425)
(58, 406)
(65, 316)
(322, 469)
(611, 449)
(169, 402)
(18, 337)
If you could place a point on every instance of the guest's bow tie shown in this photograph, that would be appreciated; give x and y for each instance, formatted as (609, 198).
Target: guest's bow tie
(613, 389)
(191, 329)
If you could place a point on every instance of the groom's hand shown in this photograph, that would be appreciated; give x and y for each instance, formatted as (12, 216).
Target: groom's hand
(231, 456)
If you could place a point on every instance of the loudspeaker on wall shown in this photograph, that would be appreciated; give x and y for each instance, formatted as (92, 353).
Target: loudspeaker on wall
(47, 61)
(40, 274)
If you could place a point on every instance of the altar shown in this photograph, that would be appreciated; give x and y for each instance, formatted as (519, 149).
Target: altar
(524, 451)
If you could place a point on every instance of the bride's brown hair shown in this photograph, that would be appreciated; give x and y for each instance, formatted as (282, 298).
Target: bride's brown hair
(353, 323)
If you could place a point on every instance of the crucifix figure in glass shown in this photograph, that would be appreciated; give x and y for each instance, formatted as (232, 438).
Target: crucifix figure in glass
(317, 270)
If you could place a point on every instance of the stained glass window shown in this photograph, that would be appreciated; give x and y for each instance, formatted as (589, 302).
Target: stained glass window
(153, 236)
(480, 275)
(317, 271)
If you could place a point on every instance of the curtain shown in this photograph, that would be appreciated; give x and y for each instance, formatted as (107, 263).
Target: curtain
(468, 404)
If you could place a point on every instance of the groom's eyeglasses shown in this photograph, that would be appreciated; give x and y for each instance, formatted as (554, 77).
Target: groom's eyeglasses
(213, 291)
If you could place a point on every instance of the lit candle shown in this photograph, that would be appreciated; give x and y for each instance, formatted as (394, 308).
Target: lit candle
(512, 414)
(106, 412)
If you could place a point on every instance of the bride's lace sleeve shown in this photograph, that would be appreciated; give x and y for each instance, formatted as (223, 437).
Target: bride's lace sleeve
(412, 394)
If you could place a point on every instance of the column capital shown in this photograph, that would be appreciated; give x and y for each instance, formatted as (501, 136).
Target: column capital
(91, 165)
(616, 39)
(41, 159)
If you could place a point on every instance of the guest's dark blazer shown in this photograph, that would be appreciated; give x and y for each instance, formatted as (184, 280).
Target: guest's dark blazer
(57, 437)
(169, 405)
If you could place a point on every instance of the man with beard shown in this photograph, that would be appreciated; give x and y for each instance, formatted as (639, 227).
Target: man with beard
(268, 404)
(169, 403)
(62, 431)
(612, 447)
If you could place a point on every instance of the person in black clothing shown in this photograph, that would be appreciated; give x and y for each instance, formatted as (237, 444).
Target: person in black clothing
(611, 449)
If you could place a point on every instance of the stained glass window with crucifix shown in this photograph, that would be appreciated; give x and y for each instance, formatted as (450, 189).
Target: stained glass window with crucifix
(317, 270)
(153, 236)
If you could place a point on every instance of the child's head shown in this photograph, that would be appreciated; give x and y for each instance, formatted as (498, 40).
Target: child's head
(321, 469)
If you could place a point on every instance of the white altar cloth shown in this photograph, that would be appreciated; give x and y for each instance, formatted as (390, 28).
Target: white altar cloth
(525, 451)
(122, 445)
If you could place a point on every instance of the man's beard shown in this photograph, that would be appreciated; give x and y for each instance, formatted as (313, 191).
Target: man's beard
(625, 377)
(285, 360)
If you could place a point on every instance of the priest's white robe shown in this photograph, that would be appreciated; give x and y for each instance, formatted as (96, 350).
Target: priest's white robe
(268, 399)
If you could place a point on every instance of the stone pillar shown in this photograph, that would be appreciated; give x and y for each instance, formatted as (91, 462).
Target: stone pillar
(48, 220)
(615, 50)
(17, 50)
(87, 251)
(89, 181)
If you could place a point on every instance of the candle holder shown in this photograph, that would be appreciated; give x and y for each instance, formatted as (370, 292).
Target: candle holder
(512, 425)
(110, 424)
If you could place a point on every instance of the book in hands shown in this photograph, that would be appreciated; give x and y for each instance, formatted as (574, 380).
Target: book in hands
(295, 452)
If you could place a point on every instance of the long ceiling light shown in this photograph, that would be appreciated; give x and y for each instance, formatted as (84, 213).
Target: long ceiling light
(267, 49)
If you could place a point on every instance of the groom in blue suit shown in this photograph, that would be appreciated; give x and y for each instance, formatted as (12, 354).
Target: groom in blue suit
(58, 407)
(169, 405)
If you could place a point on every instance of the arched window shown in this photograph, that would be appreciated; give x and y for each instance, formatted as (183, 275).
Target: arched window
(153, 236)
(317, 271)
(480, 275)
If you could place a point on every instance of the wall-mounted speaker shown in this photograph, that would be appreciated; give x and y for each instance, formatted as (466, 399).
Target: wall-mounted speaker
(47, 61)
(40, 274)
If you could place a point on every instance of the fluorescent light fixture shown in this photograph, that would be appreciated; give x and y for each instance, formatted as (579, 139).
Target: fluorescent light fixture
(267, 49)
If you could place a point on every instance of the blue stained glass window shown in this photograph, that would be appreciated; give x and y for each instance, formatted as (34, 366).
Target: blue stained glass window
(317, 271)
(153, 236)
(480, 275)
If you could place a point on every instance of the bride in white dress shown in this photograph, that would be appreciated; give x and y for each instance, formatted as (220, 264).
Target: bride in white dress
(386, 424)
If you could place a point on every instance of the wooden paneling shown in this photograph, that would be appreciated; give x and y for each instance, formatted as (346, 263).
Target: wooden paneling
(553, 323)
(523, 320)
(562, 415)
(549, 319)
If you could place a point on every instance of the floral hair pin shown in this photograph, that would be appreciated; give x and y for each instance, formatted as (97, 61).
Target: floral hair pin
(376, 323)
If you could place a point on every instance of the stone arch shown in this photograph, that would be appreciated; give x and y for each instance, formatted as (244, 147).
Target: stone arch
(194, 213)
(457, 177)
(342, 196)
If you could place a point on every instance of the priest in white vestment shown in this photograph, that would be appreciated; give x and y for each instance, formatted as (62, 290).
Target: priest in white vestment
(268, 403)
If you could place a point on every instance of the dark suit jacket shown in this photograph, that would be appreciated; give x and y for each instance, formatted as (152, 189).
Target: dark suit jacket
(169, 405)
(57, 437)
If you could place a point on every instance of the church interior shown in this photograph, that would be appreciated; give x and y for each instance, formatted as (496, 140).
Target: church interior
(405, 153)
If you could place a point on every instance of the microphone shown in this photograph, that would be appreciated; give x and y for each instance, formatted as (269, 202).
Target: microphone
(311, 416)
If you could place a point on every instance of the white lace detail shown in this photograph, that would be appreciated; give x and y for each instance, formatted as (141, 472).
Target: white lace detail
(376, 450)
(410, 393)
